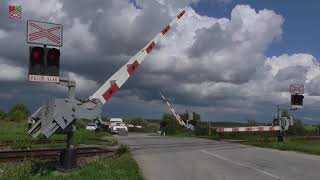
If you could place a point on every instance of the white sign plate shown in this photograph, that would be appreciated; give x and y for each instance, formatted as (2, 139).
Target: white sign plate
(40, 78)
(296, 88)
(44, 33)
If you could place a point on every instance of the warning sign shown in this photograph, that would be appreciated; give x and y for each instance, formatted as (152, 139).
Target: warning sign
(296, 88)
(40, 78)
(44, 33)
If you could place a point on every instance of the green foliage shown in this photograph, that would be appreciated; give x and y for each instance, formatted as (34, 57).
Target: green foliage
(297, 128)
(307, 146)
(81, 123)
(18, 113)
(18, 131)
(170, 125)
(17, 116)
(13, 131)
(201, 129)
(25, 144)
(2, 115)
(138, 122)
(118, 167)
(122, 149)
(15, 170)
(83, 136)
(20, 107)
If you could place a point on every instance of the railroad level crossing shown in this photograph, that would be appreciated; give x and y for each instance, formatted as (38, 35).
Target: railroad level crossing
(280, 124)
(59, 115)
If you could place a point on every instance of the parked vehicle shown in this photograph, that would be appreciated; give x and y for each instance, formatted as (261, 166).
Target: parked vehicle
(117, 125)
(91, 127)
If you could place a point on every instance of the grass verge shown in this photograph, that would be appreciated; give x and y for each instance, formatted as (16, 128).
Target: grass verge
(18, 132)
(305, 146)
(114, 168)
(309, 145)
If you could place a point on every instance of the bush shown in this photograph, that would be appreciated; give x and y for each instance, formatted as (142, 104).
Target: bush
(201, 129)
(170, 125)
(15, 170)
(122, 149)
(138, 122)
(2, 115)
(24, 144)
(18, 113)
(297, 128)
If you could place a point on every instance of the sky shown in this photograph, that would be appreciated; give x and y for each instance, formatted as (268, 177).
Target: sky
(227, 60)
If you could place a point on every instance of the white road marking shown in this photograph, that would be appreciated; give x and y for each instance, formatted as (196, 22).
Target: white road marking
(240, 164)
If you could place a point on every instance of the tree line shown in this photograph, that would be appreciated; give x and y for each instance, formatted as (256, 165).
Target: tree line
(18, 113)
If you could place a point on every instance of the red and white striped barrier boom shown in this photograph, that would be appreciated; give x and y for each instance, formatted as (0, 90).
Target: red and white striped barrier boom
(249, 129)
(178, 118)
(134, 126)
(114, 83)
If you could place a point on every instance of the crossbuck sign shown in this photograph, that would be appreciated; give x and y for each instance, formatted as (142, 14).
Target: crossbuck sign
(296, 88)
(44, 33)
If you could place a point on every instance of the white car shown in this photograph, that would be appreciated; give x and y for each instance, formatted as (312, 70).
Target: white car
(91, 127)
(118, 127)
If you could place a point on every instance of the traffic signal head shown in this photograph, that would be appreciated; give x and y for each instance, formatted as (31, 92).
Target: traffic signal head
(297, 101)
(53, 61)
(36, 61)
(44, 61)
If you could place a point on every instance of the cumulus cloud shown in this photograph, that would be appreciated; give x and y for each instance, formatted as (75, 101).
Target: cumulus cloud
(51, 9)
(79, 38)
(10, 72)
(83, 85)
(213, 65)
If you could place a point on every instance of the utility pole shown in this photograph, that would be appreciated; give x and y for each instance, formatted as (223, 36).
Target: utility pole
(281, 131)
(68, 159)
(209, 128)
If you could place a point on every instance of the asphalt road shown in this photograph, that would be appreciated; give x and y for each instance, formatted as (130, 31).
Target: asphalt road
(196, 159)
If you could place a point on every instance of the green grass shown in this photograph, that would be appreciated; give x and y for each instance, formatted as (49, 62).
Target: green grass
(18, 131)
(306, 146)
(117, 168)
(13, 131)
(309, 145)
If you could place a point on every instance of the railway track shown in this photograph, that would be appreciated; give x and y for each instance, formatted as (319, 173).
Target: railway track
(38, 141)
(18, 155)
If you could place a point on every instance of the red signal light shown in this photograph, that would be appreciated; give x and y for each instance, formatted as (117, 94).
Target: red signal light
(53, 60)
(53, 54)
(37, 53)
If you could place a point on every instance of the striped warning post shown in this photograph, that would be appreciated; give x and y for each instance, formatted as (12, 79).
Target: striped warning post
(249, 129)
(114, 83)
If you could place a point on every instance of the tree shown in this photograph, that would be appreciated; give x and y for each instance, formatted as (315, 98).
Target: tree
(2, 115)
(169, 124)
(18, 112)
(297, 128)
(138, 122)
(20, 107)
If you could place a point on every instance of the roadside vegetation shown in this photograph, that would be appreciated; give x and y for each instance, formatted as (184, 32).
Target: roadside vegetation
(117, 167)
(13, 126)
(299, 137)
(147, 126)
